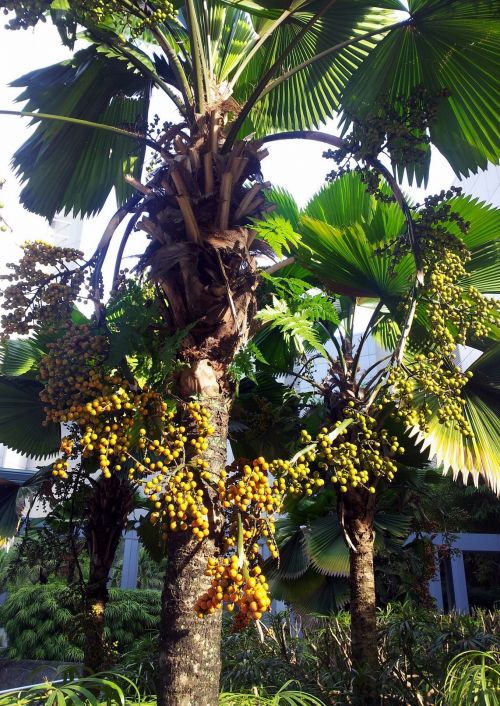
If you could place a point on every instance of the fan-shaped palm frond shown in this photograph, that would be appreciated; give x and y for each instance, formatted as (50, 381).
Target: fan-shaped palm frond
(22, 419)
(74, 168)
(479, 454)
(446, 46)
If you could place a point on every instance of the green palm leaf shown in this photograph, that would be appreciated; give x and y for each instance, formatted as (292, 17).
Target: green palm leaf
(22, 419)
(348, 263)
(311, 96)
(343, 230)
(9, 516)
(75, 168)
(479, 454)
(310, 593)
(18, 357)
(326, 547)
(449, 45)
(342, 203)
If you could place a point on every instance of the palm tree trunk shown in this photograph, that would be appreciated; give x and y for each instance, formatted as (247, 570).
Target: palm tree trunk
(189, 656)
(359, 517)
(108, 510)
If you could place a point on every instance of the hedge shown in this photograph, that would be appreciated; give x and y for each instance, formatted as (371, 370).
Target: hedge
(42, 621)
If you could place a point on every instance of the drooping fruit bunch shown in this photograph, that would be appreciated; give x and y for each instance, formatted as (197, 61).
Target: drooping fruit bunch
(46, 283)
(236, 585)
(174, 472)
(410, 384)
(457, 311)
(354, 452)
(72, 373)
(135, 16)
(249, 498)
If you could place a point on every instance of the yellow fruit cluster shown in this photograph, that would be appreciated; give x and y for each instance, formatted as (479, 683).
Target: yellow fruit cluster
(429, 375)
(233, 584)
(135, 21)
(348, 455)
(72, 374)
(176, 475)
(457, 313)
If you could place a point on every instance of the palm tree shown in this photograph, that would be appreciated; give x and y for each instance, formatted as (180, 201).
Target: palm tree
(345, 237)
(235, 71)
(100, 508)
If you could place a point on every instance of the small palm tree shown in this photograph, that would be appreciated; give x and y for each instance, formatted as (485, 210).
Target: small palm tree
(345, 238)
(236, 71)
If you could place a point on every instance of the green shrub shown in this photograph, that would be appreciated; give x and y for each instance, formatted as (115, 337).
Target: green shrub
(43, 622)
(74, 690)
(473, 678)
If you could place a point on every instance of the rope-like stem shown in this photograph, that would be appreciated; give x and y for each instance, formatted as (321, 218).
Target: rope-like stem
(84, 123)
(176, 67)
(197, 57)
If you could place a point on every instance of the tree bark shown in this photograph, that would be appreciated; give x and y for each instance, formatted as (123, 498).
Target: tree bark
(109, 507)
(189, 656)
(358, 524)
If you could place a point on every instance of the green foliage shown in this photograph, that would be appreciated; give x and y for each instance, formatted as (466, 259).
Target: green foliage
(415, 648)
(243, 363)
(461, 131)
(284, 697)
(296, 320)
(42, 622)
(473, 677)
(22, 419)
(137, 334)
(277, 232)
(81, 165)
(75, 690)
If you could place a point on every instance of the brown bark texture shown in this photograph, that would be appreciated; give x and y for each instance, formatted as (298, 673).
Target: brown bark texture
(108, 510)
(359, 516)
(189, 657)
(202, 259)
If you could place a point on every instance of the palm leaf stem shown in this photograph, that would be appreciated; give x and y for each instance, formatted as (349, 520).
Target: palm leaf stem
(401, 345)
(255, 95)
(102, 248)
(279, 265)
(200, 82)
(162, 85)
(374, 319)
(176, 67)
(373, 162)
(119, 256)
(258, 44)
(338, 347)
(372, 367)
(331, 50)
(84, 123)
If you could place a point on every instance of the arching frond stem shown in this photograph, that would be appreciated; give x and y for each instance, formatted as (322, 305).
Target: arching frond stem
(84, 123)
(200, 77)
(258, 44)
(176, 66)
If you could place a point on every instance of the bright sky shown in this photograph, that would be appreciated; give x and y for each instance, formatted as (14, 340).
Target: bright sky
(299, 168)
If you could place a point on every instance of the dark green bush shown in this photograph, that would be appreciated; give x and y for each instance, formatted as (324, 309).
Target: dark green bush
(43, 622)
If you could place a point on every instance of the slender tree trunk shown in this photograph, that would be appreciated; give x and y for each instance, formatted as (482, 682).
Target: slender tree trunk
(359, 517)
(109, 507)
(189, 657)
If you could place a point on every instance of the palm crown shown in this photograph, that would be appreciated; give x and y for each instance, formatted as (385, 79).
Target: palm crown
(255, 68)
